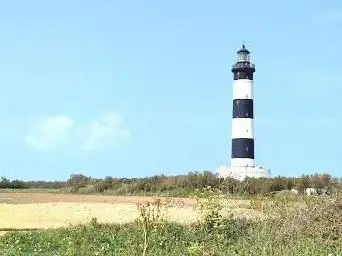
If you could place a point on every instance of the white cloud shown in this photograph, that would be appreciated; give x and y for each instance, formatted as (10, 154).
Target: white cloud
(50, 133)
(106, 132)
(62, 132)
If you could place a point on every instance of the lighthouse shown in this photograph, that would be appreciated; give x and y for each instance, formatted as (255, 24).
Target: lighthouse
(242, 162)
(242, 153)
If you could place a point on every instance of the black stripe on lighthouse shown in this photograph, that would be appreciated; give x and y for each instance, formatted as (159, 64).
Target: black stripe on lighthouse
(243, 73)
(243, 108)
(243, 148)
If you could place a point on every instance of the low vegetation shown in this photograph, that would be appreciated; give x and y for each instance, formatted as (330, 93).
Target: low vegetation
(181, 185)
(292, 225)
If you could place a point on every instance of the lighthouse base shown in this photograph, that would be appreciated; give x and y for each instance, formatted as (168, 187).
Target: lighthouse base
(241, 173)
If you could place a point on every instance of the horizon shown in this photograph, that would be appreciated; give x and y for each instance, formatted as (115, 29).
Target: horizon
(171, 175)
(139, 89)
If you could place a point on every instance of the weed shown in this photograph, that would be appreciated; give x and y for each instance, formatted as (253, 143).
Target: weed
(150, 216)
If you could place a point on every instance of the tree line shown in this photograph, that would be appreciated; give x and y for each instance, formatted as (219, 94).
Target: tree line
(179, 185)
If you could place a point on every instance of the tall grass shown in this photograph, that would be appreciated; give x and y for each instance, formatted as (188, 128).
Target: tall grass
(291, 226)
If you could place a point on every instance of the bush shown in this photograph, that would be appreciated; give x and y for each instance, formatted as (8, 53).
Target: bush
(181, 185)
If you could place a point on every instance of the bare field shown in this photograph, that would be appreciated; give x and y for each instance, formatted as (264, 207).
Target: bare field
(43, 210)
(25, 197)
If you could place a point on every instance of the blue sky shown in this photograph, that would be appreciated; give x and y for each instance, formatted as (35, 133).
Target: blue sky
(137, 88)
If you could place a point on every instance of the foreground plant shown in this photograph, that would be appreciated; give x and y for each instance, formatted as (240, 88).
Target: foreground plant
(150, 216)
(209, 207)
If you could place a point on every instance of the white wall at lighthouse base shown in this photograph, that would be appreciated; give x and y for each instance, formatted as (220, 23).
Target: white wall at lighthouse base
(242, 162)
(240, 173)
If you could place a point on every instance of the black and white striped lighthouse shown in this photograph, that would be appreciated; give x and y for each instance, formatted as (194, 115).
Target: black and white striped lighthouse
(242, 154)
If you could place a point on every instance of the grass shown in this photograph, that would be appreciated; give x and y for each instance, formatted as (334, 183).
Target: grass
(291, 226)
(239, 238)
(100, 239)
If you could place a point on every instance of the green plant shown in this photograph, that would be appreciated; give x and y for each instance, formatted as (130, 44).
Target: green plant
(195, 249)
(150, 216)
(218, 231)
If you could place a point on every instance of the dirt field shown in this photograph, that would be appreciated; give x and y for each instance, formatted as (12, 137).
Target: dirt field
(43, 210)
(35, 198)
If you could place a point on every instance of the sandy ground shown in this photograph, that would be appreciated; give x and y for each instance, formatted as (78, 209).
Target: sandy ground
(52, 215)
(43, 210)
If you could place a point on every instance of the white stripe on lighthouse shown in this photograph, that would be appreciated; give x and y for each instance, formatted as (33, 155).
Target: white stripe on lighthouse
(242, 89)
(242, 128)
